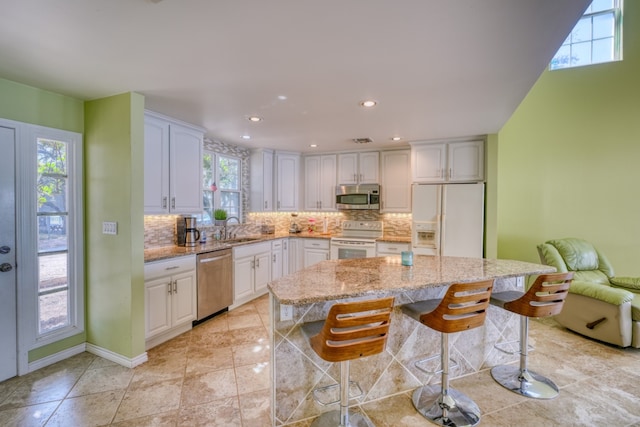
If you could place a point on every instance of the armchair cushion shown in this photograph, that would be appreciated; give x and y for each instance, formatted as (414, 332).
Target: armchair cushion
(577, 254)
(603, 293)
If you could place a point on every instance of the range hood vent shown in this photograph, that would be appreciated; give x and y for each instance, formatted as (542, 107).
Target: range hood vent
(362, 140)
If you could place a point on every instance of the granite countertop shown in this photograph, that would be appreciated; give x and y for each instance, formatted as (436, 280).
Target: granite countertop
(166, 252)
(348, 278)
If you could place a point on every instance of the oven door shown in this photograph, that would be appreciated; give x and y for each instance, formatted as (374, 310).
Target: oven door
(346, 249)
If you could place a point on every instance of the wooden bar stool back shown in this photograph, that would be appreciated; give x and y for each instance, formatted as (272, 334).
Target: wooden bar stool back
(463, 307)
(544, 298)
(351, 330)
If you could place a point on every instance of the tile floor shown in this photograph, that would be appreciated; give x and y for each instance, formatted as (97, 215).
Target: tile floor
(218, 375)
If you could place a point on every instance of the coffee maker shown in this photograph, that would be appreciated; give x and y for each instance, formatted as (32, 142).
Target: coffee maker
(186, 231)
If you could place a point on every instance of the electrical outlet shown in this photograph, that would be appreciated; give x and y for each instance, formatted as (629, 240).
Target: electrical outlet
(110, 228)
(286, 312)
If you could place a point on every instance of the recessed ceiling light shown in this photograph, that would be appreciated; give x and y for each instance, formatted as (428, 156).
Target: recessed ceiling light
(368, 103)
(282, 97)
(246, 137)
(254, 119)
(396, 138)
(313, 145)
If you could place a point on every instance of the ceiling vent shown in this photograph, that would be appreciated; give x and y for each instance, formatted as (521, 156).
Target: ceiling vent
(362, 140)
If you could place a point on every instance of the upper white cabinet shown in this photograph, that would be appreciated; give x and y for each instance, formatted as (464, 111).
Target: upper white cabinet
(261, 180)
(359, 168)
(320, 183)
(287, 181)
(459, 161)
(395, 174)
(172, 166)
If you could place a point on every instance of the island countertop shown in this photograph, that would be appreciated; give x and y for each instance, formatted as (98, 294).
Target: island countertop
(348, 278)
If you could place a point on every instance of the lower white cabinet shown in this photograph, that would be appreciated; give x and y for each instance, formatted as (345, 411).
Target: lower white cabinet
(170, 298)
(251, 271)
(295, 255)
(315, 250)
(388, 248)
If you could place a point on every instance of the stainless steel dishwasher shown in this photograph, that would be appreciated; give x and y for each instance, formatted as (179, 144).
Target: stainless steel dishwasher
(215, 282)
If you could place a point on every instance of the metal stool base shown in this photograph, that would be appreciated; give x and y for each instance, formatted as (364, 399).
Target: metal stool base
(525, 383)
(332, 419)
(461, 411)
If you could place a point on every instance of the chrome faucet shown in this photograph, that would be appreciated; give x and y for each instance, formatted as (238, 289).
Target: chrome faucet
(224, 235)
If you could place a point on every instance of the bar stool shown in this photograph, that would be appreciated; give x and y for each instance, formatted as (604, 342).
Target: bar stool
(463, 307)
(545, 298)
(351, 330)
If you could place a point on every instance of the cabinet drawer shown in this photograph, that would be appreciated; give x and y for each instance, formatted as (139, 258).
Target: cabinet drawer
(251, 249)
(316, 243)
(169, 267)
(391, 248)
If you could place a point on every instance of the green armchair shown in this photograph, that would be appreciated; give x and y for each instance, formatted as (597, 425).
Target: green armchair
(599, 305)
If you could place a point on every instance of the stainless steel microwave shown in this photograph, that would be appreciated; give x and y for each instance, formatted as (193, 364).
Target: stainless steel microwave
(363, 196)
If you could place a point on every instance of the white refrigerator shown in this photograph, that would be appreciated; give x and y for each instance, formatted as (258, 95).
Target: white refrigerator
(448, 219)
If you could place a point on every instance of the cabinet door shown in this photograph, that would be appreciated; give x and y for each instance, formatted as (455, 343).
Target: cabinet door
(157, 300)
(288, 181)
(261, 181)
(243, 272)
(285, 257)
(312, 182)
(314, 256)
(185, 170)
(396, 181)
(156, 166)
(183, 300)
(262, 271)
(466, 161)
(428, 162)
(295, 251)
(348, 169)
(276, 260)
(327, 183)
(369, 168)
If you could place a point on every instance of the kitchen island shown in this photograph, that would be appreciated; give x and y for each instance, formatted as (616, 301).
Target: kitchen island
(308, 294)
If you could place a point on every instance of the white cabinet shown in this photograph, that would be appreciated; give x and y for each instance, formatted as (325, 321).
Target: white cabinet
(172, 166)
(320, 183)
(277, 269)
(251, 271)
(395, 174)
(388, 248)
(359, 168)
(315, 250)
(170, 298)
(261, 180)
(460, 161)
(287, 182)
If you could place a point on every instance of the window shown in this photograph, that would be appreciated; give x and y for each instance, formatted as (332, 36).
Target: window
(57, 250)
(596, 38)
(222, 185)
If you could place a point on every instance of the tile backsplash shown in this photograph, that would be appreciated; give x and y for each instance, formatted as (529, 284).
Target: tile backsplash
(159, 230)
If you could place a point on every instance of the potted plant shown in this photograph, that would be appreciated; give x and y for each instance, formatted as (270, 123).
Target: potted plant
(220, 215)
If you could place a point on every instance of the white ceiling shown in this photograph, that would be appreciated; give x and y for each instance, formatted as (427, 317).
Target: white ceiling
(438, 69)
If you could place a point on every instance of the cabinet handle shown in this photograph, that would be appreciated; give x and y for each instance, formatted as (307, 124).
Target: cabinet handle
(450, 173)
(172, 267)
(258, 263)
(253, 264)
(284, 245)
(164, 202)
(355, 177)
(170, 287)
(265, 204)
(175, 286)
(173, 203)
(278, 204)
(327, 257)
(274, 258)
(320, 204)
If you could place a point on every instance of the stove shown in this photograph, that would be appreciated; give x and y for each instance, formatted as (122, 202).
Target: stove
(358, 240)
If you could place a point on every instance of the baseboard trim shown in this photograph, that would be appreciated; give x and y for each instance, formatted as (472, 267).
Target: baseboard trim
(56, 357)
(117, 358)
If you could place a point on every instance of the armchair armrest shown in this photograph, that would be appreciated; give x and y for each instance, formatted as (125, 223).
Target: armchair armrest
(600, 292)
(628, 283)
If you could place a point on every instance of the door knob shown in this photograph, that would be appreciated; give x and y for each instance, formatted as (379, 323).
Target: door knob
(5, 249)
(5, 266)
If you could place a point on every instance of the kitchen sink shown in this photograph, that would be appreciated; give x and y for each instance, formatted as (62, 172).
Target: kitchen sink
(243, 240)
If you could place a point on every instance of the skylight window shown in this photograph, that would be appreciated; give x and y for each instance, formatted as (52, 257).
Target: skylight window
(596, 38)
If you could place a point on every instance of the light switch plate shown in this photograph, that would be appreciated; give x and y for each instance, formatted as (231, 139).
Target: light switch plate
(110, 228)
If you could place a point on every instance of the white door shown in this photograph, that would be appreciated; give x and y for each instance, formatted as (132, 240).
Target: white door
(8, 325)
(462, 230)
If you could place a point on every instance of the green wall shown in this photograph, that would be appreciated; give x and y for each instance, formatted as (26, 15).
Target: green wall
(114, 147)
(568, 160)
